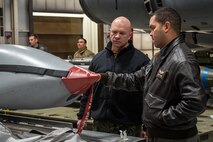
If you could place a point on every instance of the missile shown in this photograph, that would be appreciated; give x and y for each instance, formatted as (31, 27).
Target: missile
(207, 79)
(34, 79)
(196, 25)
(139, 10)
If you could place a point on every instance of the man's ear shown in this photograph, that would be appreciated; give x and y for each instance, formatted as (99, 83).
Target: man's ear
(131, 36)
(167, 26)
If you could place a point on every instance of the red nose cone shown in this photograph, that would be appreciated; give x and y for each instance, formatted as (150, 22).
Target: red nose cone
(79, 80)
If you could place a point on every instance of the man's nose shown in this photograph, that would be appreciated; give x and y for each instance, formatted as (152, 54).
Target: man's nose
(117, 35)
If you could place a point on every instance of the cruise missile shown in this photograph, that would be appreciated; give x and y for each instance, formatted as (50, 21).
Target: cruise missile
(197, 21)
(34, 79)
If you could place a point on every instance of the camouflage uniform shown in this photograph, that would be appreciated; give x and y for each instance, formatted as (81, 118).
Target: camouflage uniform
(108, 127)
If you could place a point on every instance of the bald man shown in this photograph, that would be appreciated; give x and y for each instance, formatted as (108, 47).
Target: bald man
(114, 110)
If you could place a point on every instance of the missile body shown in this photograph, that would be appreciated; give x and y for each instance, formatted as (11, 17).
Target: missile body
(34, 79)
(207, 79)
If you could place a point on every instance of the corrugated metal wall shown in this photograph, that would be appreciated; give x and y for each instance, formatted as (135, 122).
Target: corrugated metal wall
(71, 6)
(16, 21)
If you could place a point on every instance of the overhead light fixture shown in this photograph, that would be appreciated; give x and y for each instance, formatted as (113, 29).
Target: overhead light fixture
(58, 14)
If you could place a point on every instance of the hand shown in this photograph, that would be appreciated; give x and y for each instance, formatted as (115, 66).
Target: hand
(99, 74)
(78, 122)
(103, 78)
(144, 134)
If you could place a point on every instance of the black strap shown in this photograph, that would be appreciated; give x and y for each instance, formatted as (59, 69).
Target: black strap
(33, 70)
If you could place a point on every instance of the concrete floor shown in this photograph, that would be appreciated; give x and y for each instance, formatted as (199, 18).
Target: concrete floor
(205, 125)
(205, 122)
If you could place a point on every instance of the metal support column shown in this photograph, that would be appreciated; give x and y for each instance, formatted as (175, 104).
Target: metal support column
(14, 7)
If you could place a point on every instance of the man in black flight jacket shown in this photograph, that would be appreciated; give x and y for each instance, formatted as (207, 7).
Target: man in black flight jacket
(173, 92)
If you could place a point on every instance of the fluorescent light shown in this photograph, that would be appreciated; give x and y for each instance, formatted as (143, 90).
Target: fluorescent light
(58, 14)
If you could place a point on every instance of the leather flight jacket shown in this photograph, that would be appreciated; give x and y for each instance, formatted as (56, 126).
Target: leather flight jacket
(173, 92)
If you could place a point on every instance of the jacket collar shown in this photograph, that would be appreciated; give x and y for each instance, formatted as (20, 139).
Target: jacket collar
(82, 51)
(109, 48)
(170, 46)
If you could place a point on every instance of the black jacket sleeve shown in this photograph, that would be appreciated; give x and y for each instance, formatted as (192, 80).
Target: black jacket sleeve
(127, 81)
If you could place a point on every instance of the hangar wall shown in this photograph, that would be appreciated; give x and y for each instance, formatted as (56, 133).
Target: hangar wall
(15, 21)
(1, 22)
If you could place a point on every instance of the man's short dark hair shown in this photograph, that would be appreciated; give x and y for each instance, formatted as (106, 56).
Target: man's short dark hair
(35, 35)
(168, 14)
(85, 41)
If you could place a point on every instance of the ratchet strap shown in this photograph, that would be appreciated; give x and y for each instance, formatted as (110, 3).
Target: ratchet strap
(86, 112)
